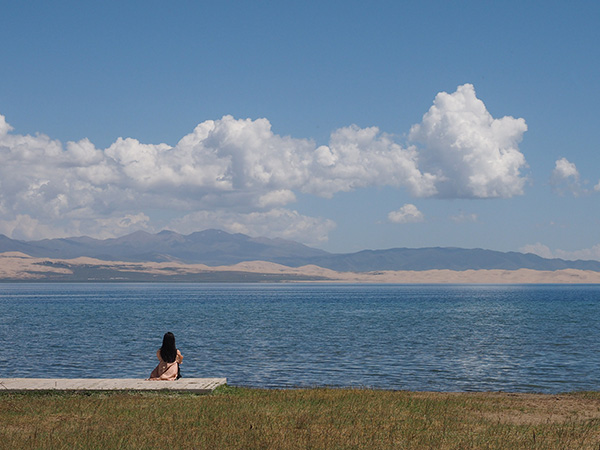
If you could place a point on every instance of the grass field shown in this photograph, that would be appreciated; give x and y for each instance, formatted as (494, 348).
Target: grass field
(240, 418)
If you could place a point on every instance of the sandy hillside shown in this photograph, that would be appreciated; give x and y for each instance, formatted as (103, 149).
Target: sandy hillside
(18, 266)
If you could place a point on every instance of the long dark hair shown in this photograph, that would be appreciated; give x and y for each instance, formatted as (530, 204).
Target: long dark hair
(168, 351)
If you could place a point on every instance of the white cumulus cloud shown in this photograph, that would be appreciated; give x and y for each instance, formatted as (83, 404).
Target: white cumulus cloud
(408, 213)
(537, 249)
(565, 177)
(243, 174)
(358, 157)
(565, 169)
(470, 153)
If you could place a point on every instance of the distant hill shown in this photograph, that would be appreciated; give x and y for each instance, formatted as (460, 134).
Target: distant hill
(215, 248)
(443, 258)
(211, 247)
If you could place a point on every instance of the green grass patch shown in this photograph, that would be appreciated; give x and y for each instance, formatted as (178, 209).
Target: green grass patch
(241, 418)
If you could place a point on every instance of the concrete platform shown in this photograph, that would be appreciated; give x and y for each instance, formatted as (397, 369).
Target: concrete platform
(198, 385)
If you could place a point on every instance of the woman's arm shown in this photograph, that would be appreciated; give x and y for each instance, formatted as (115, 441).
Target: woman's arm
(179, 357)
(158, 354)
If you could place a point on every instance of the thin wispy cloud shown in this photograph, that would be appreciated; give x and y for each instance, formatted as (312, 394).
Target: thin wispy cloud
(463, 217)
(280, 222)
(592, 253)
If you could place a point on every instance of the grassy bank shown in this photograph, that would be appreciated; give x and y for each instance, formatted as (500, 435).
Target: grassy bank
(297, 419)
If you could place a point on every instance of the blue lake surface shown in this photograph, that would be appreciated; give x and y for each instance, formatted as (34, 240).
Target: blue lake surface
(520, 338)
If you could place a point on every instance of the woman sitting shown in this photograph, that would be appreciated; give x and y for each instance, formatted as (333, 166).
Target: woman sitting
(169, 359)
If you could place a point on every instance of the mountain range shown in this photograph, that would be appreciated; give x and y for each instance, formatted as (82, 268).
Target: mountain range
(217, 248)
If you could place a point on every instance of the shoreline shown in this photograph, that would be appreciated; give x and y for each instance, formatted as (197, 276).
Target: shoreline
(74, 385)
(220, 388)
(90, 386)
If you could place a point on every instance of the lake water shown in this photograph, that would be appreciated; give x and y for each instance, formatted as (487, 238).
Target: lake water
(541, 338)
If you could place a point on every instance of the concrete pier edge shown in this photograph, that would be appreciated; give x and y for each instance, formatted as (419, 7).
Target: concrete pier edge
(198, 385)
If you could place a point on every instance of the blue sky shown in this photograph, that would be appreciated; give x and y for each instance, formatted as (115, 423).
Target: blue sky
(343, 125)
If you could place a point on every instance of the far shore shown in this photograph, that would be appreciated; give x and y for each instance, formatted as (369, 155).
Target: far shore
(15, 266)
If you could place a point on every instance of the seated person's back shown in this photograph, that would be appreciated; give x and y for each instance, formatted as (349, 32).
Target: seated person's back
(169, 358)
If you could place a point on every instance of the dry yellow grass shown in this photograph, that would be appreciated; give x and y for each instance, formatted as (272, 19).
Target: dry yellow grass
(298, 419)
